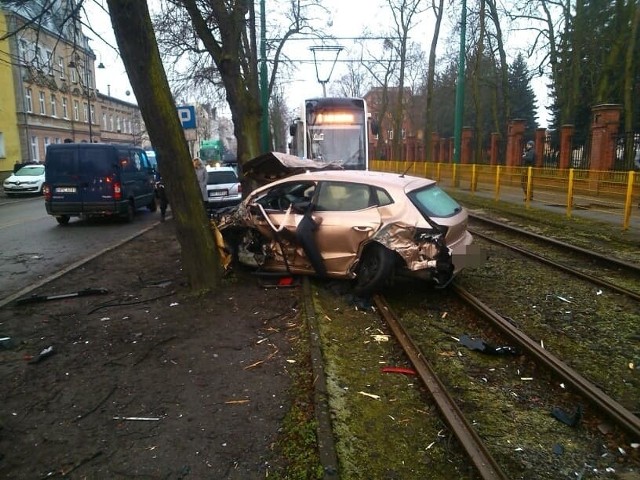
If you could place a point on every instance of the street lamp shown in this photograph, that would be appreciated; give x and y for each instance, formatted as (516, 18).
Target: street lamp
(86, 87)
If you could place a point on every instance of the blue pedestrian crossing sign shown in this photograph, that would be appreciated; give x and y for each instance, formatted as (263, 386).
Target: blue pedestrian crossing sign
(187, 114)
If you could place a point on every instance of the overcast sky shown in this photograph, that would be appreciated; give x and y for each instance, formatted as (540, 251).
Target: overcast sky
(348, 18)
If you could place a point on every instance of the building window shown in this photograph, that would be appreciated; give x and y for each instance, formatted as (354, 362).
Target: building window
(49, 54)
(111, 123)
(85, 112)
(61, 67)
(65, 109)
(28, 97)
(43, 108)
(92, 113)
(76, 110)
(73, 75)
(47, 142)
(119, 124)
(38, 58)
(104, 121)
(3, 153)
(54, 109)
(34, 149)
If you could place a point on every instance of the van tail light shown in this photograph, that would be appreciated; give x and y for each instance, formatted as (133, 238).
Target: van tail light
(46, 191)
(117, 191)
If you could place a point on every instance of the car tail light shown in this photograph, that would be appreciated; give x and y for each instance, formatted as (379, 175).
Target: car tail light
(117, 191)
(240, 188)
(46, 191)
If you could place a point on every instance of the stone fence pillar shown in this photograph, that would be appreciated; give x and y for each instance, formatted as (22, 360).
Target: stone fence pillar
(515, 132)
(605, 123)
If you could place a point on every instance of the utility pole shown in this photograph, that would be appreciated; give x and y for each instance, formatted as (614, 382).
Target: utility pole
(264, 86)
(457, 133)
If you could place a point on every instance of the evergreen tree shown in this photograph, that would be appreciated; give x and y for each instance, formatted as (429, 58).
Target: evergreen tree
(523, 101)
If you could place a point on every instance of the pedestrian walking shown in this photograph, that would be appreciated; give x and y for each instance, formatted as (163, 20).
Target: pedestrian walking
(528, 160)
(201, 175)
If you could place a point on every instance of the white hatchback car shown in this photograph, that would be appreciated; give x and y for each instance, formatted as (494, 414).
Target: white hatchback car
(223, 187)
(28, 180)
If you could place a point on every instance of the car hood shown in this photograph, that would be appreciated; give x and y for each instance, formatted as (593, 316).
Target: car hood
(272, 166)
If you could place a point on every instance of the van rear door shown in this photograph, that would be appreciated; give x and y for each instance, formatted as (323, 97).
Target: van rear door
(81, 179)
(99, 175)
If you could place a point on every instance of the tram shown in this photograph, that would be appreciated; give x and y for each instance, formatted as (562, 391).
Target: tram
(333, 130)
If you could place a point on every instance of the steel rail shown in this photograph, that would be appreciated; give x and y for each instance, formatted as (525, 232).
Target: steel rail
(566, 268)
(467, 436)
(615, 261)
(622, 416)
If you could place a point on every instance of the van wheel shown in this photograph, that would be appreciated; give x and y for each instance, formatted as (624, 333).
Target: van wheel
(63, 219)
(153, 206)
(374, 270)
(131, 213)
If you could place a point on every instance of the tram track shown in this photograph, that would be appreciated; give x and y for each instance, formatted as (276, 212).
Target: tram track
(592, 266)
(565, 347)
(478, 453)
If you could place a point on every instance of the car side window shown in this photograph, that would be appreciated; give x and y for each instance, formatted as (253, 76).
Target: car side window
(344, 197)
(282, 196)
(137, 161)
(382, 197)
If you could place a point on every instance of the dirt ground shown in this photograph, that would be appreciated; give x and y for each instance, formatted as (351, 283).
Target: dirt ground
(144, 381)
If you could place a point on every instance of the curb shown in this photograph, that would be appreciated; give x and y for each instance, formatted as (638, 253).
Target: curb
(326, 444)
(73, 266)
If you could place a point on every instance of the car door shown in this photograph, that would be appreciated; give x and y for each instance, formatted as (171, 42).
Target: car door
(346, 218)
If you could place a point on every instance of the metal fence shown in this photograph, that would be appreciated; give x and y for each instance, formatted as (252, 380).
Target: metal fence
(605, 193)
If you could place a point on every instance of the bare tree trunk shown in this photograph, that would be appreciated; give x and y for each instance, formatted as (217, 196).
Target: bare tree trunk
(431, 74)
(139, 50)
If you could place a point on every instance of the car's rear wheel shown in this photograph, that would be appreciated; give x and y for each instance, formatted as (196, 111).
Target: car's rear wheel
(63, 219)
(374, 270)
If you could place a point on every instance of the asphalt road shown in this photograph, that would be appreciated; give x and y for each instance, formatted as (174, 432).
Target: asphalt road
(34, 247)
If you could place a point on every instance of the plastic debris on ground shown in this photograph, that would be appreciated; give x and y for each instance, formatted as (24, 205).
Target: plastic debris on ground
(571, 419)
(481, 346)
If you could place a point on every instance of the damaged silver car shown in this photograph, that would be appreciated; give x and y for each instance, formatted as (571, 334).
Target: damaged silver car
(360, 225)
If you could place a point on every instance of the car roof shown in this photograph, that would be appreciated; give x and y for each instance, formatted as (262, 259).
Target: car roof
(381, 179)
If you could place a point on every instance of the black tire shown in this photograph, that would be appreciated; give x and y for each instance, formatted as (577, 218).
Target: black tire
(63, 219)
(374, 270)
(153, 205)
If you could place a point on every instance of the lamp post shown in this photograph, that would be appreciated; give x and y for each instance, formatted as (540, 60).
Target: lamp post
(84, 84)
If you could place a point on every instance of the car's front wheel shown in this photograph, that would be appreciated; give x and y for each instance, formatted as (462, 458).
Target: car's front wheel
(374, 270)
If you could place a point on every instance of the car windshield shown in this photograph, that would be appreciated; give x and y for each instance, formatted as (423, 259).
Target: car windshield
(30, 171)
(432, 201)
(225, 176)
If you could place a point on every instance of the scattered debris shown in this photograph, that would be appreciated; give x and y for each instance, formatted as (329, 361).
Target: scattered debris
(558, 449)
(370, 395)
(138, 419)
(568, 419)
(44, 353)
(406, 371)
(482, 346)
(279, 282)
(6, 342)
(380, 338)
(43, 298)
(235, 402)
